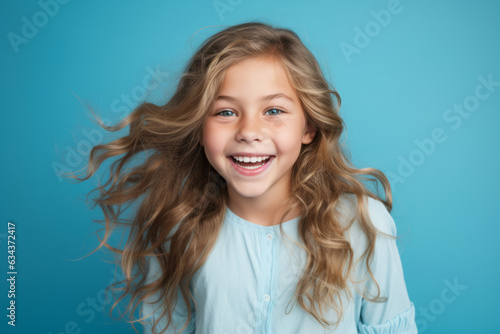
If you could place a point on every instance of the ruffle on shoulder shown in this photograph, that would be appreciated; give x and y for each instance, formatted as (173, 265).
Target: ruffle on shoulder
(403, 323)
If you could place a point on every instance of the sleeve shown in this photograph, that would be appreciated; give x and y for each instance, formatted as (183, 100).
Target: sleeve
(152, 310)
(397, 314)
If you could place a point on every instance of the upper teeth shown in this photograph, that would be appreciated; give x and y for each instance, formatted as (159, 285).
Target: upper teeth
(250, 159)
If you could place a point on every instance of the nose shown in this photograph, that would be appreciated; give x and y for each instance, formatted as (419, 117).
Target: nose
(250, 128)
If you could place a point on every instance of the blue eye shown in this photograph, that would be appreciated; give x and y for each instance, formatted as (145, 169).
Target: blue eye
(277, 111)
(225, 113)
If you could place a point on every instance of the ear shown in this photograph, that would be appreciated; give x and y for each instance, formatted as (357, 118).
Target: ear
(309, 134)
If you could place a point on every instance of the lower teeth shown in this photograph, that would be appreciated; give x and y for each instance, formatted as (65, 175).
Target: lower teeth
(251, 167)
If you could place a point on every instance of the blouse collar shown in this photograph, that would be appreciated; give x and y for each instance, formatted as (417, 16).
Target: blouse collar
(232, 218)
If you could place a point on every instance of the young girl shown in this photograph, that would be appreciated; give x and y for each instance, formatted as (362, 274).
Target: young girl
(251, 218)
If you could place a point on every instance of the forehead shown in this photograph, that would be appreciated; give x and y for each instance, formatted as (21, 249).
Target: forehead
(255, 78)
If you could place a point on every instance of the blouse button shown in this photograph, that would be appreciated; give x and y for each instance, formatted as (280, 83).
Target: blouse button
(267, 297)
(269, 236)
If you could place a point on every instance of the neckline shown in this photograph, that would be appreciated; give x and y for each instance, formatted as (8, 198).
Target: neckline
(233, 218)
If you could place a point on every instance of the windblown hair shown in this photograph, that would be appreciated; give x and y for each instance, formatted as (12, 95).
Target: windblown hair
(182, 198)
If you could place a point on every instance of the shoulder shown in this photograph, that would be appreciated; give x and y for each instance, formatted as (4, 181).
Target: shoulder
(385, 262)
(378, 213)
(355, 233)
(153, 269)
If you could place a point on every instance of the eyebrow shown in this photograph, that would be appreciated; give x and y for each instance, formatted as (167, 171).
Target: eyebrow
(264, 98)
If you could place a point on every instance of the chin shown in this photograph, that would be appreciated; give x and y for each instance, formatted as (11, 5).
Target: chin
(248, 192)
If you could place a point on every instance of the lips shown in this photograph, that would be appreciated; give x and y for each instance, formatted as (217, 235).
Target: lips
(250, 164)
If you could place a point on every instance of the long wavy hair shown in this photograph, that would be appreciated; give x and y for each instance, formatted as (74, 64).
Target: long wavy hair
(181, 198)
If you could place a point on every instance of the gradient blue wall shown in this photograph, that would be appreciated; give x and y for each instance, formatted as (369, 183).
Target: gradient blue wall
(421, 97)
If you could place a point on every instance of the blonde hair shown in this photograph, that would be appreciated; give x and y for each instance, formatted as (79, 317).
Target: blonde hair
(182, 199)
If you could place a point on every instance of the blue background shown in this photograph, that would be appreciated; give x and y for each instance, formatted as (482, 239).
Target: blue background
(396, 90)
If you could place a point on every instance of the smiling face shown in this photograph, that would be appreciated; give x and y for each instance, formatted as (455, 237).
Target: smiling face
(255, 131)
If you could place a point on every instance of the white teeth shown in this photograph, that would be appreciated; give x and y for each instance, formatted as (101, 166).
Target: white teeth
(250, 159)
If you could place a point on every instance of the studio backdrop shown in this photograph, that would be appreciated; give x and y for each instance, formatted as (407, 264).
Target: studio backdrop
(420, 88)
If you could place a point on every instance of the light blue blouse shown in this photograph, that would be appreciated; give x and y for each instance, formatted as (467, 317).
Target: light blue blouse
(251, 273)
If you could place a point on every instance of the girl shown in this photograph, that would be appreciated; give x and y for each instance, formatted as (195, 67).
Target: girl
(251, 217)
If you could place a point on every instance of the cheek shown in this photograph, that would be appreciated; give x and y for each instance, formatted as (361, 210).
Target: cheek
(214, 140)
(289, 141)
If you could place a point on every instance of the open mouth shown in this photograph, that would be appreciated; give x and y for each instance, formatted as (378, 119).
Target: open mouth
(253, 162)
